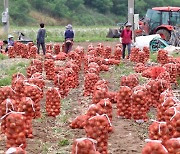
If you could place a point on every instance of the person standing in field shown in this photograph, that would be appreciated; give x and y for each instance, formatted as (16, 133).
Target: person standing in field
(41, 38)
(126, 36)
(69, 36)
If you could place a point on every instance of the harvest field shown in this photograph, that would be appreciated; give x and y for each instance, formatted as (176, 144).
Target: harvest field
(53, 135)
(56, 34)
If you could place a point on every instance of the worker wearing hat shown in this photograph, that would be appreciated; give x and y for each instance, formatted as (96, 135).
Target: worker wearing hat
(10, 40)
(126, 36)
(69, 36)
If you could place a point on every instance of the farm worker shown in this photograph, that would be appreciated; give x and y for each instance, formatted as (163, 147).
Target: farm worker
(69, 36)
(126, 36)
(41, 38)
(3, 46)
(10, 40)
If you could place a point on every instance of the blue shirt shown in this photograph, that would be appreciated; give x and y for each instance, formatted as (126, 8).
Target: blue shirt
(69, 34)
(10, 42)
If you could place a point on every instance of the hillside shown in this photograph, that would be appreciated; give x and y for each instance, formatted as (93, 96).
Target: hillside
(78, 12)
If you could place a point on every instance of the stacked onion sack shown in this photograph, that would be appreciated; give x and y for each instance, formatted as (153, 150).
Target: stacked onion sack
(154, 147)
(124, 102)
(130, 81)
(36, 94)
(118, 52)
(90, 81)
(30, 71)
(97, 129)
(173, 145)
(33, 52)
(61, 83)
(49, 48)
(6, 106)
(100, 91)
(72, 65)
(57, 48)
(93, 68)
(159, 131)
(27, 106)
(107, 52)
(147, 53)
(79, 122)
(166, 104)
(84, 146)
(76, 57)
(53, 102)
(15, 150)
(37, 79)
(38, 64)
(162, 56)
(155, 88)
(50, 69)
(165, 76)
(172, 70)
(18, 85)
(140, 67)
(142, 57)
(100, 49)
(15, 130)
(71, 78)
(11, 52)
(80, 50)
(134, 54)
(172, 116)
(139, 104)
(25, 51)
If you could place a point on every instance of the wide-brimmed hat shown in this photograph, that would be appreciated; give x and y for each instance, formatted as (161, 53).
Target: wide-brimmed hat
(128, 24)
(10, 36)
(69, 26)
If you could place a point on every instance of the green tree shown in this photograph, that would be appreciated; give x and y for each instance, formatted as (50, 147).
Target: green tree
(19, 10)
(74, 4)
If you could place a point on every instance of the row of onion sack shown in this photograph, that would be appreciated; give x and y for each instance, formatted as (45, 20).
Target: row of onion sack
(20, 102)
(168, 68)
(133, 102)
(30, 50)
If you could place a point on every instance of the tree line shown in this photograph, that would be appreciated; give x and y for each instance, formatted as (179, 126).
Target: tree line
(78, 10)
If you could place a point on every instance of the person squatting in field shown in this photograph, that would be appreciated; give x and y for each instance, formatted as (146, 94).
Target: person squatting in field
(41, 38)
(69, 36)
(126, 36)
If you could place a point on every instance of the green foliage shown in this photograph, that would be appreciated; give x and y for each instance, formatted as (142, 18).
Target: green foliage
(2, 57)
(64, 142)
(19, 11)
(80, 12)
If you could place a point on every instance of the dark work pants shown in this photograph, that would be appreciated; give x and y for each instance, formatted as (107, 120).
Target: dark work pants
(124, 49)
(43, 47)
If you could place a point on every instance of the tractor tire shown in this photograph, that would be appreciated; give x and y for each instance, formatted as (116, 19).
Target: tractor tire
(165, 34)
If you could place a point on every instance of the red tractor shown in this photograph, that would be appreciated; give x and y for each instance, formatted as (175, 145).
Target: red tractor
(160, 20)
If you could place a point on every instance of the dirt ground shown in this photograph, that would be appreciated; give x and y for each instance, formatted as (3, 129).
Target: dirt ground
(54, 136)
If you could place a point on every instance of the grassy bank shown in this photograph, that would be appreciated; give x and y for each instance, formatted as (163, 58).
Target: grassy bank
(56, 34)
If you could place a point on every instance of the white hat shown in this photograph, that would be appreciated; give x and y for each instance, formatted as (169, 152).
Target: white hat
(10, 36)
(128, 24)
(69, 26)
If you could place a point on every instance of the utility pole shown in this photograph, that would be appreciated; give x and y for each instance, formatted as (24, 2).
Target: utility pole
(5, 17)
(131, 14)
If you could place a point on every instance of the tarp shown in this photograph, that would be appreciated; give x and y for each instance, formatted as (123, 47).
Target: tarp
(142, 41)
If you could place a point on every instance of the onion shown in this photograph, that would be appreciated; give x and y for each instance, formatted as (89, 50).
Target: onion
(124, 102)
(15, 130)
(154, 147)
(84, 146)
(53, 102)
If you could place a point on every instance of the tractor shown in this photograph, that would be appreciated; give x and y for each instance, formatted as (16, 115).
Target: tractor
(158, 20)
